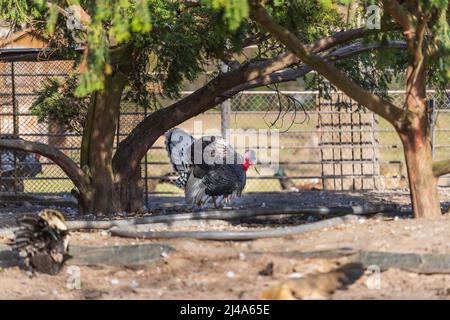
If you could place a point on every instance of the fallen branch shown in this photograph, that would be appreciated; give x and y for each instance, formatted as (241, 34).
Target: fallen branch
(235, 235)
(234, 214)
(221, 215)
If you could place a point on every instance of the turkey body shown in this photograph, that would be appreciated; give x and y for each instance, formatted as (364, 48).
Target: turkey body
(220, 181)
(210, 169)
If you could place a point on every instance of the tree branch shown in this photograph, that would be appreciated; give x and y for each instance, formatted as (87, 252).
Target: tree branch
(401, 16)
(372, 102)
(294, 74)
(441, 168)
(132, 149)
(67, 165)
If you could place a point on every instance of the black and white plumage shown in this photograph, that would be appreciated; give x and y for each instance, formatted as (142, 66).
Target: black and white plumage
(42, 241)
(208, 168)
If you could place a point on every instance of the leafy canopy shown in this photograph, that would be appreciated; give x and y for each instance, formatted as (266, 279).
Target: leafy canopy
(175, 41)
(111, 23)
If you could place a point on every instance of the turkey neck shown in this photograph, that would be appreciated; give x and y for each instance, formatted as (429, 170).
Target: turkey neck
(246, 164)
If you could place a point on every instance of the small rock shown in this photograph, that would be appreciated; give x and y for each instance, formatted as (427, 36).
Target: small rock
(164, 254)
(92, 294)
(231, 275)
(296, 275)
(121, 274)
(85, 237)
(267, 271)
(263, 205)
(115, 282)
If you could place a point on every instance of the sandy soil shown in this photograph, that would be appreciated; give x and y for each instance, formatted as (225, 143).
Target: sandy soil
(230, 270)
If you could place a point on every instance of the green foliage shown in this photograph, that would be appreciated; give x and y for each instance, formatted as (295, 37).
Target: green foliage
(235, 11)
(308, 20)
(440, 43)
(182, 42)
(15, 11)
(373, 71)
(115, 22)
(56, 102)
(174, 41)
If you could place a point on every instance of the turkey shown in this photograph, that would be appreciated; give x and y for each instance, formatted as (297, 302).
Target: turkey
(208, 168)
(42, 241)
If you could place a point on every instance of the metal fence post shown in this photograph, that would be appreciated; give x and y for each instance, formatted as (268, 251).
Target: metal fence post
(15, 124)
(225, 109)
(14, 101)
(432, 120)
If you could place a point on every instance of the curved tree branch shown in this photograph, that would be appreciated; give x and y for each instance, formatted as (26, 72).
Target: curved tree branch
(132, 149)
(441, 168)
(371, 101)
(67, 165)
(294, 74)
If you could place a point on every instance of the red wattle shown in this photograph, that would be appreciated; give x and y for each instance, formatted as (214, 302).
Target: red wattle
(246, 164)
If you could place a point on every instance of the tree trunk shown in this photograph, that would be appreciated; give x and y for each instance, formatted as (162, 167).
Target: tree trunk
(419, 162)
(97, 148)
(130, 192)
(102, 197)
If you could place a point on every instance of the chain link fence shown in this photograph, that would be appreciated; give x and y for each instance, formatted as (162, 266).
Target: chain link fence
(319, 145)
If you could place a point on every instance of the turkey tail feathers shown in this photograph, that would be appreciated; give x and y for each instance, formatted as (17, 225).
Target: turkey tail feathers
(178, 142)
(195, 191)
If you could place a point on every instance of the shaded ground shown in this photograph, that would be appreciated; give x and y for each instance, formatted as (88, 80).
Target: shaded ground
(175, 204)
(230, 270)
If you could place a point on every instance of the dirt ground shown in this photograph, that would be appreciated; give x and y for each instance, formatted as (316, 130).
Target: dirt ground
(231, 269)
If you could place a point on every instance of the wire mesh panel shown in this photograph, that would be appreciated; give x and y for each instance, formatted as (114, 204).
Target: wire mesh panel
(293, 115)
(393, 170)
(348, 145)
(441, 131)
(19, 82)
